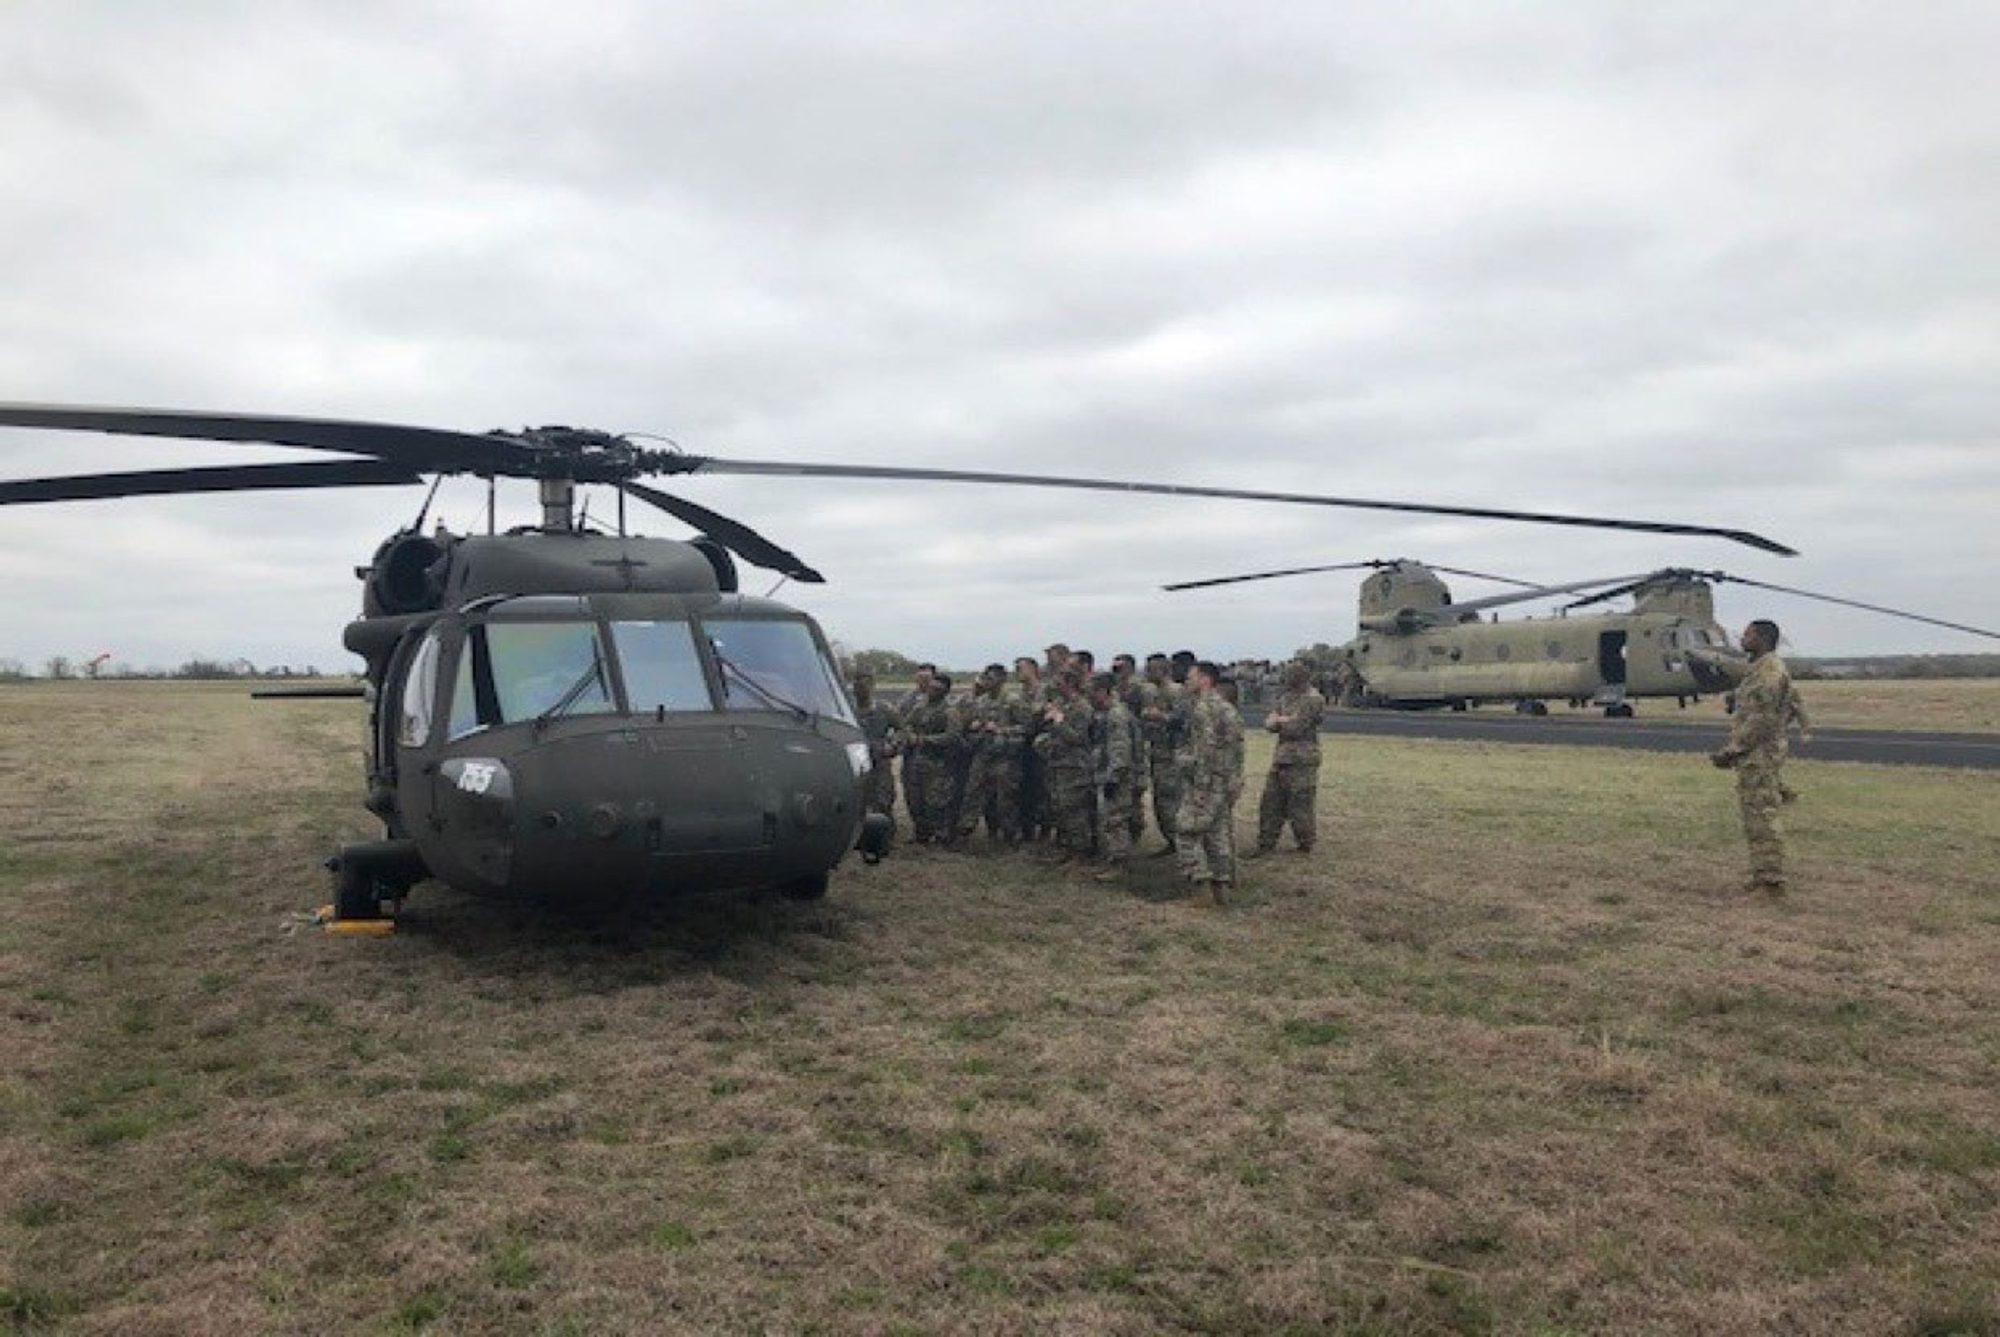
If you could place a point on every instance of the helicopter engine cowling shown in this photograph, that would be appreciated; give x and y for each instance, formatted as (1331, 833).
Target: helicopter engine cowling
(404, 576)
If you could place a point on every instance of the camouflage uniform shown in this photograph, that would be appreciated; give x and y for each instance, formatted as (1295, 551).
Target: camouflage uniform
(1756, 749)
(931, 739)
(1292, 784)
(1033, 801)
(1121, 754)
(1064, 747)
(1209, 781)
(996, 728)
(881, 726)
(1162, 719)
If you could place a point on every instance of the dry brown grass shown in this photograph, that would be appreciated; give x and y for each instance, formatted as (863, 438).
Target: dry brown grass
(1507, 1055)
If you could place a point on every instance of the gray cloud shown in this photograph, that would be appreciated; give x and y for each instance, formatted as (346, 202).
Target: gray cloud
(1697, 263)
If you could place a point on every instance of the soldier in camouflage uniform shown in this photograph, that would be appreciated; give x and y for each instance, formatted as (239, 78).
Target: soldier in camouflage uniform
(1205, 822)
(1065, 748)
(1756, 752)
(913, 763)
(931, 740)
(1032, 695)
(1120, 757)
(1292, 784)
(881, 726)
(1161, 719)
(996, 729)
(1125, 671)
(1228, 691)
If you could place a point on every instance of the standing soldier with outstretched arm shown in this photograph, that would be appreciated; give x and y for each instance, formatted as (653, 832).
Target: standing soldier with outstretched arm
(1756, 752)
(1292, 784)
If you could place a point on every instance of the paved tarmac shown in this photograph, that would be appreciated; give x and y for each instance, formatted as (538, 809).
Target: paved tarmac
(1876, 746)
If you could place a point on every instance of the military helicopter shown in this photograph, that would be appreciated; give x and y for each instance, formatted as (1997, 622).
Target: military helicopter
(1420, 649)
(562, 711)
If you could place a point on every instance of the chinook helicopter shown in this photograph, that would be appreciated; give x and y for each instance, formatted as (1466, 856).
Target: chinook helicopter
(1418, 649)
(561, 711)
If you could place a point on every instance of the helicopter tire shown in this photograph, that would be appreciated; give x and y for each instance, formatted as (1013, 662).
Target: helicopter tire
(812, 887)
(1531, 708)
(354, 894)
(1618, 712)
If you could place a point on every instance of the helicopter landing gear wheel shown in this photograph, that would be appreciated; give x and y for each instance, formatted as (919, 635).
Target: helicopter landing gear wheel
(1531, 708)
(810, 888)
(355, 894)
(1621, 711)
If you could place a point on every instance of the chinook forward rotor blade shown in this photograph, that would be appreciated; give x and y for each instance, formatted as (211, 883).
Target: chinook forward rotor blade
(1268, 575)
(224, 478)
(1723, 577)
(783, 469)
(422, 449)
(739, 538)
(1850, 603)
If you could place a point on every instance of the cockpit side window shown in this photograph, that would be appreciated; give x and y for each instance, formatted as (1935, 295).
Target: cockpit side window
(419, 694)
(662, 667)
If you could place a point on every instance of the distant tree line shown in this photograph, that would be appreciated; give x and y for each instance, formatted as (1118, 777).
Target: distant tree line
(61, 667)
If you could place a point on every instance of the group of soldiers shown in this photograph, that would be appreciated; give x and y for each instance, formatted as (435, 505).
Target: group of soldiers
(1055, 754)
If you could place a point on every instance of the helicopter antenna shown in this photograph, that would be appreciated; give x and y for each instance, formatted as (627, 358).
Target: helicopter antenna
(621, 511)
(583, 520)
(489, 504)
(776, 586)
(417, 524)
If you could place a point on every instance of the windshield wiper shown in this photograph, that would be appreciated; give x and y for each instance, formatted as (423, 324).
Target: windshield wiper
(593, 674)
(743, 676)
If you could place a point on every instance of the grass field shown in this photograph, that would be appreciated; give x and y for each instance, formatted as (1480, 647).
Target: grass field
(1950, 705)
(1509, 1054)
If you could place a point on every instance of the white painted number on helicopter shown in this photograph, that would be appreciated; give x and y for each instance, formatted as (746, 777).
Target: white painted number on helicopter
(477, 777)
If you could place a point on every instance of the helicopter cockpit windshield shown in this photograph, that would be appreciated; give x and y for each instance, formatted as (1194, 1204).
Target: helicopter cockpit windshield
(515, 669)
(768, 663)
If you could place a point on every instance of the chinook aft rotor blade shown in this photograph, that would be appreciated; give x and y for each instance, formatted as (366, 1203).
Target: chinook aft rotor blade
(739, 538)
(1523, 596)
(224, 478)
(422, 449)
(783, 469)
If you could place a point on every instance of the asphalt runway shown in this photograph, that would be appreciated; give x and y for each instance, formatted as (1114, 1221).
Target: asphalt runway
(1881, 747)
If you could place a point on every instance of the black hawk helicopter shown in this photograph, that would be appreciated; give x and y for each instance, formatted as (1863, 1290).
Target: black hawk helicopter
(1417, 648)
(560, 711)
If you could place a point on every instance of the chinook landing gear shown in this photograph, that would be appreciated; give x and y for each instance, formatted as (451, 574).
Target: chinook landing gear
(1531, 707)
(1621, 710)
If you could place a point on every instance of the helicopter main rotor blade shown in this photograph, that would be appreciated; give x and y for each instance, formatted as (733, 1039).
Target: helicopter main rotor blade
(1850, 603)
(784, 469)
(1522, 596)
(423, 449)
(224, 478)
(1267, 575)
(739, 538)
(1485, 575)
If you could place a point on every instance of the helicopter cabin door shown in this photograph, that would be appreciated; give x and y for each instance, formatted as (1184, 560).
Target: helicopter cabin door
(1611, 658)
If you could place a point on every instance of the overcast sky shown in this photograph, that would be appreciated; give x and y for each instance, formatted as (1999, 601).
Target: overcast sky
(1730, 264)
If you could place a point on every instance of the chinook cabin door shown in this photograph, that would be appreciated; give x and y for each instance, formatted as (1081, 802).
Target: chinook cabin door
(1611, 658)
